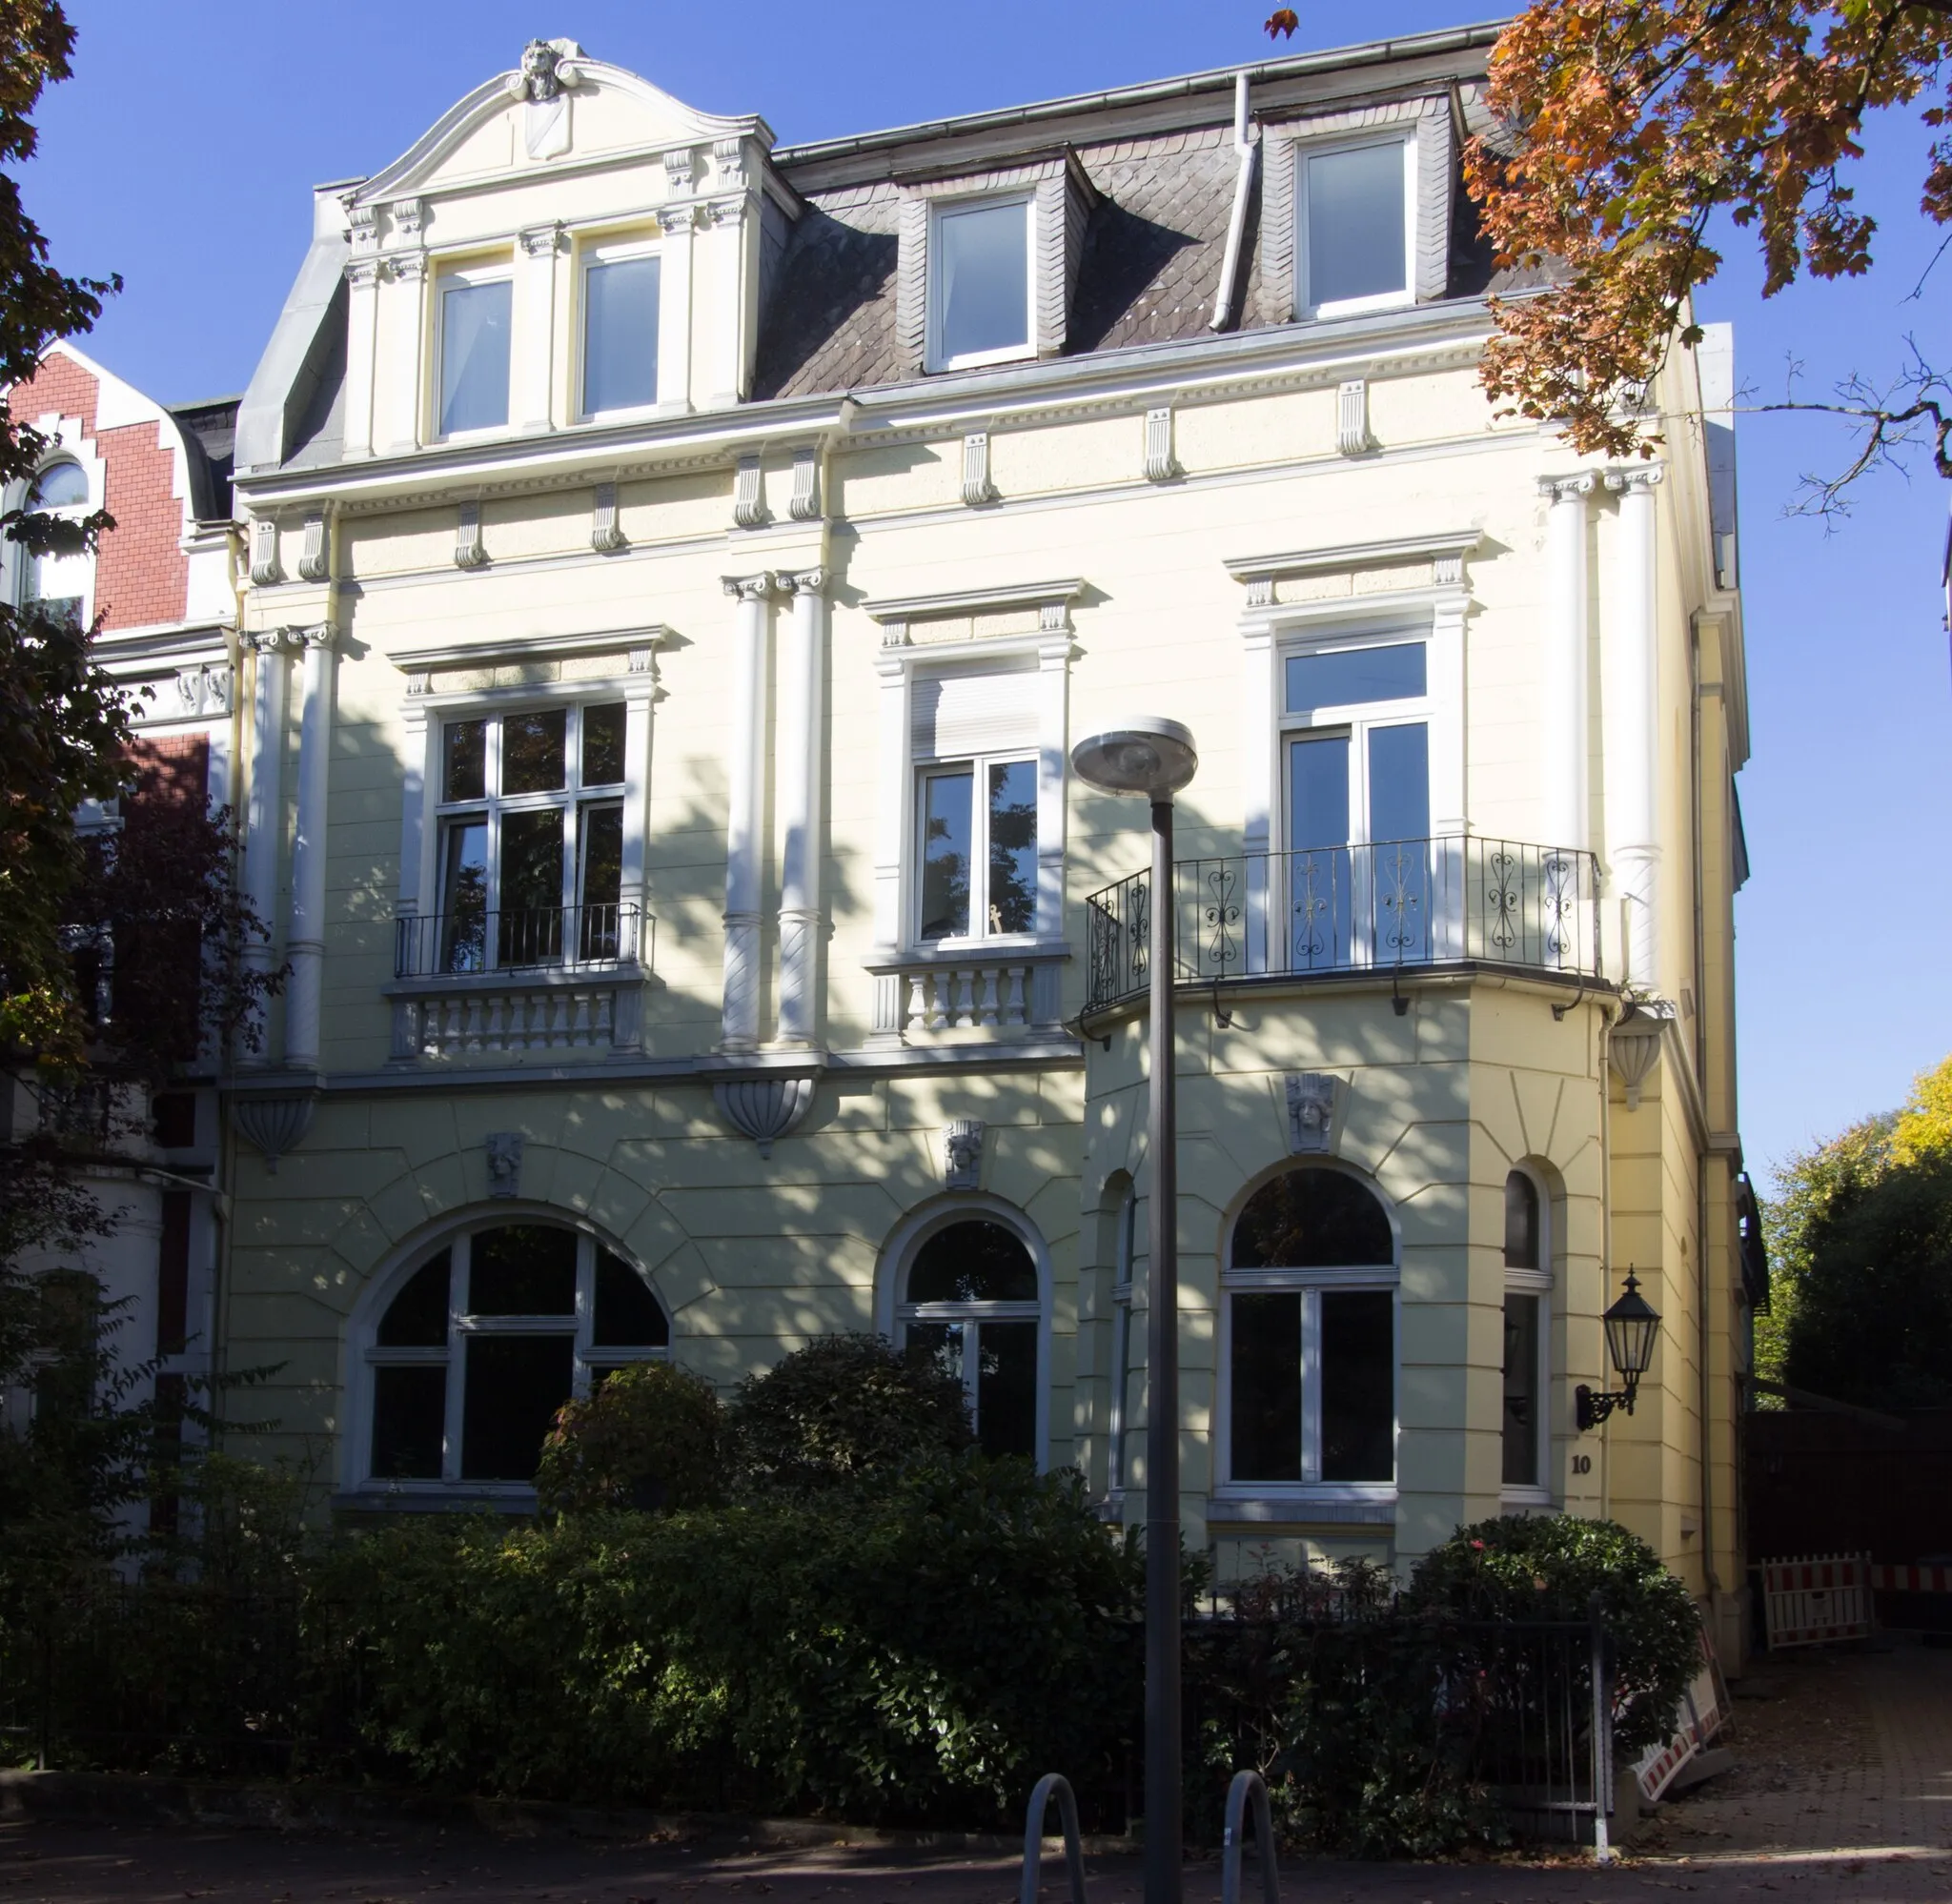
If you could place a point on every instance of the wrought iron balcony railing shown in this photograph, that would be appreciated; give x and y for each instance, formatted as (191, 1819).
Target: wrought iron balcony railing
(1400, 903)
(471, 941)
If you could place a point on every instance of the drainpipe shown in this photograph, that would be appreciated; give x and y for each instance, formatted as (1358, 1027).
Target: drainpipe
(1711, 1577)
(1245, 146)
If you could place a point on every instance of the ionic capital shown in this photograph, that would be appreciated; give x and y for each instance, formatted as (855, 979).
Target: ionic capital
(1642, 477)
(804, 581)
(1568, 488)
(752, 588)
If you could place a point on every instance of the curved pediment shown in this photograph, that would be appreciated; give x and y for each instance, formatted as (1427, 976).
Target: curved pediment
(558, 105)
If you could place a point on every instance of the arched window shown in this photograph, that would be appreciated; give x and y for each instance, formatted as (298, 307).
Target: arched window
(1310, 1299)
(59, 585)
(1527, 1287)
(477, 1346)
(971, 1299)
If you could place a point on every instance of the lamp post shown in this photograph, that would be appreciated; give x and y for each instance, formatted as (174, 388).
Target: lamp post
(1155, 757)
(1632, 1327)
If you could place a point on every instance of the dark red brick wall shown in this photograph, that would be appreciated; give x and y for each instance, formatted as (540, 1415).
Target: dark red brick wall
(141, 574)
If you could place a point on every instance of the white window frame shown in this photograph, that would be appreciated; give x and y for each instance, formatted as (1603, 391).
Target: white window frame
(977, 766)
(948, 207)
(1311, 1284)
(894, 1311)
(462, 276)
(93, 471)
(1352, 307)
(365, 1355)
(573, 797)
(590, 255)
(1537, 1281)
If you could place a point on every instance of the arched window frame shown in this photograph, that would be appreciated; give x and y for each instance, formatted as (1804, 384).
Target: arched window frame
(1533, 1282)
(19, 564)
(364, 1354)
(1310, 1283)
(894, 1311)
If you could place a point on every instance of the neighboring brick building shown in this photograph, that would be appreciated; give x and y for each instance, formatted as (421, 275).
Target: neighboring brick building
(159, 591)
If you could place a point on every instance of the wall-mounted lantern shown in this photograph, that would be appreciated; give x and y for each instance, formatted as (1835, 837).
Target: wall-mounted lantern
(1632, 1327)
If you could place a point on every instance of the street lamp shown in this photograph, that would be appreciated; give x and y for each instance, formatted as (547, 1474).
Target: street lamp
(1155, 757)
(1631, 1326)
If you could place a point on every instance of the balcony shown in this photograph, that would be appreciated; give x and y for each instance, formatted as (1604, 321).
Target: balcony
(1337, 911)
(474, 983)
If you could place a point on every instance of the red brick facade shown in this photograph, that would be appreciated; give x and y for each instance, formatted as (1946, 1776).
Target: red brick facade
(141, 572)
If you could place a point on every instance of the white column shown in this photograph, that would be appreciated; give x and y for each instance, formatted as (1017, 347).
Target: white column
(1053, 758)
(639, 693)
(673, 306)
(264, 808)
(1632, 739)
(1567, 739)
(305, 944)
(731, 288)
(803, 667)
(746, 759)
(398, 423)
(533, 354)
(362, 318)
(1450, 818)
(894, 781)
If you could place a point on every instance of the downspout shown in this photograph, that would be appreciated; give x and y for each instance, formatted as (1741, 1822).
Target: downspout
(1704, 1381)
(1244, 148)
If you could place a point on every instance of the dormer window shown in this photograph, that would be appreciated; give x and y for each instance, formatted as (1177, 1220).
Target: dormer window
(621, 290)
(1355, 207)
(980, 283)
(476, 312)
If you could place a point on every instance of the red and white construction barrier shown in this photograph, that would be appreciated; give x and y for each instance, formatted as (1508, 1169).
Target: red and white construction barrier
(1912, 1579)
(1703, 1713)
(1817, 1599)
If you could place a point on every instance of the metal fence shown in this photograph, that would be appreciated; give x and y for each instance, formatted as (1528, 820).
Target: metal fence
(474, 940)
(1399, 904)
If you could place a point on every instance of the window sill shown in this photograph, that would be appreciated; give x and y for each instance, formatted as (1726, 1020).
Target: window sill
(968, 952)
(1357, 1504)
(1525, 1499)
(1016, 353)
(436, 1497)
(515, 979)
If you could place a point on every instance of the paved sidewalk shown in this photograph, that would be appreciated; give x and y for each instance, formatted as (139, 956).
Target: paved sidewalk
(1843, 1795)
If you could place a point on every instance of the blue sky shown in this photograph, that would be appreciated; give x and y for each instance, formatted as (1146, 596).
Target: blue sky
(183, 152)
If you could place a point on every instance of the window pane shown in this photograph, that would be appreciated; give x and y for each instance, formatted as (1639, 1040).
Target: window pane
(467, 761)
(1312, 1219)
(1355, 223)
(627, 1315)
(1013, 847)
(599, 880)
(474, 355)
(983, 280)
(1352, 676)
(62, 487)
(973, 1263)
(1006, 1388)
(464, 896)
(516, 1383)
(531, 887)
(1358, 1387)
(417, 1318)
(939, 1344)
(1521, 1221)
(1318, 792)
(621, 334)
(1399, 782)
(522, 1269)
(604, 745)
(533, 749)
(1522, 1391)
(409, 1422)
(945, 854)
(1266, 1417)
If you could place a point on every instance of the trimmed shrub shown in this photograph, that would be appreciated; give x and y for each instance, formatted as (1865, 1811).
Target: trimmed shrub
(1548, 1566)
(651, 1438)
(921, 1651)
(844, 1410)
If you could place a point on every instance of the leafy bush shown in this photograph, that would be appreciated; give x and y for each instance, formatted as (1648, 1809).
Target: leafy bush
(920, 1652)
(651, 1437)
(1550, 1566)
(844, 1409)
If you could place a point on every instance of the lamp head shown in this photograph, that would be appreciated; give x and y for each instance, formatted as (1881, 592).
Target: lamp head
(1632, 1327)
(1147, 754)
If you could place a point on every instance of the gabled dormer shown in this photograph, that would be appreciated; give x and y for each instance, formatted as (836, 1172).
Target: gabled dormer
(565, 248)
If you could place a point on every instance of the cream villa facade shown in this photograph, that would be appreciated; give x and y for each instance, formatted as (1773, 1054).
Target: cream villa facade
(679, 567)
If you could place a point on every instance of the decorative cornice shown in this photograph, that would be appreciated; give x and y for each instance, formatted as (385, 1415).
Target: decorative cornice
(531, 648)
(976, 600)
(805, 506)
(265, 570)
(1446, 550)
(976, 487)
(765, 1109)
(1158, 464)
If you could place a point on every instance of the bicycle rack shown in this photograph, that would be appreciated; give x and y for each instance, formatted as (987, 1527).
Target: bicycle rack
(1054, 1784)
(1245, 1784)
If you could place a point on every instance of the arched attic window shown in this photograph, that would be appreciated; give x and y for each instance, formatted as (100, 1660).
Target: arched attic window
(60, 586)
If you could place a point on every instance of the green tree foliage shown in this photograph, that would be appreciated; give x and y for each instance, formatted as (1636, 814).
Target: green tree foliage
(651, 1437)
(1860, 1239)
(844, 1410)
